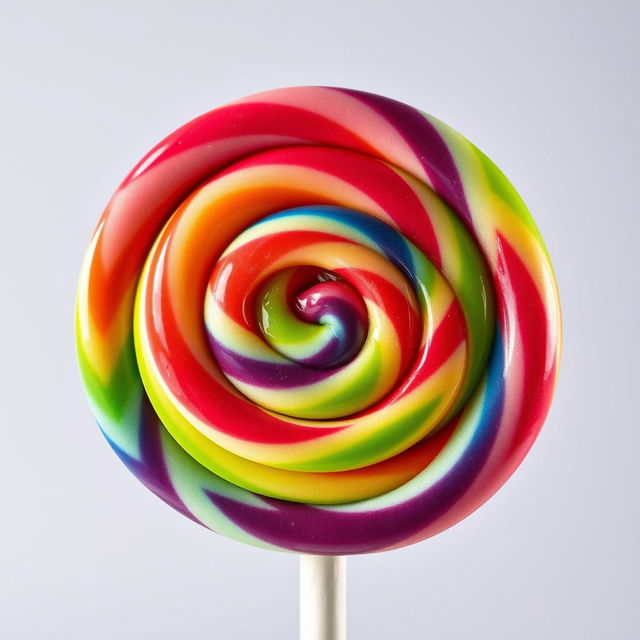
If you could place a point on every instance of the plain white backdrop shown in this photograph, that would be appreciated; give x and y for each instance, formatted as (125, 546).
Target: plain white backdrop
(549, 90)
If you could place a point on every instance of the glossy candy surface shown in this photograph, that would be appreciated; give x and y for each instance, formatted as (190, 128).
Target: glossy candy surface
(318, 320)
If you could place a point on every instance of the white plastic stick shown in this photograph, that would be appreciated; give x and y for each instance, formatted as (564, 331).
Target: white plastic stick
(323, 598)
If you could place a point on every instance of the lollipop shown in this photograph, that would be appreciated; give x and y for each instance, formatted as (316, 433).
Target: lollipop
(318, 320)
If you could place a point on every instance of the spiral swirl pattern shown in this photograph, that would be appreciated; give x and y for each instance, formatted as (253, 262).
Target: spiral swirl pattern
(318, 320)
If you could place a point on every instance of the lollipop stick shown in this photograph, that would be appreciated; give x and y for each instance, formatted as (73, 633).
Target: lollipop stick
(323, 598)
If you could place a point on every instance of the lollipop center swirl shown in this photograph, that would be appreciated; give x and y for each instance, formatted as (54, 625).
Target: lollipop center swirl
(312, 317)
(308, 316)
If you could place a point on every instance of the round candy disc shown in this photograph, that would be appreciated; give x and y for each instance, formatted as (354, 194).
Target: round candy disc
(318, 320)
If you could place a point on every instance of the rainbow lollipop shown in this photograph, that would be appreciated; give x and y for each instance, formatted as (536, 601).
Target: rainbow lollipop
(318, 320)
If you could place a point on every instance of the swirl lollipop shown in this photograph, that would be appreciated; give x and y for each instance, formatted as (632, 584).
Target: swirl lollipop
(318, 320)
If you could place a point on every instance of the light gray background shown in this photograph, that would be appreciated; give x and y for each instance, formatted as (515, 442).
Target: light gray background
(548, 89)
